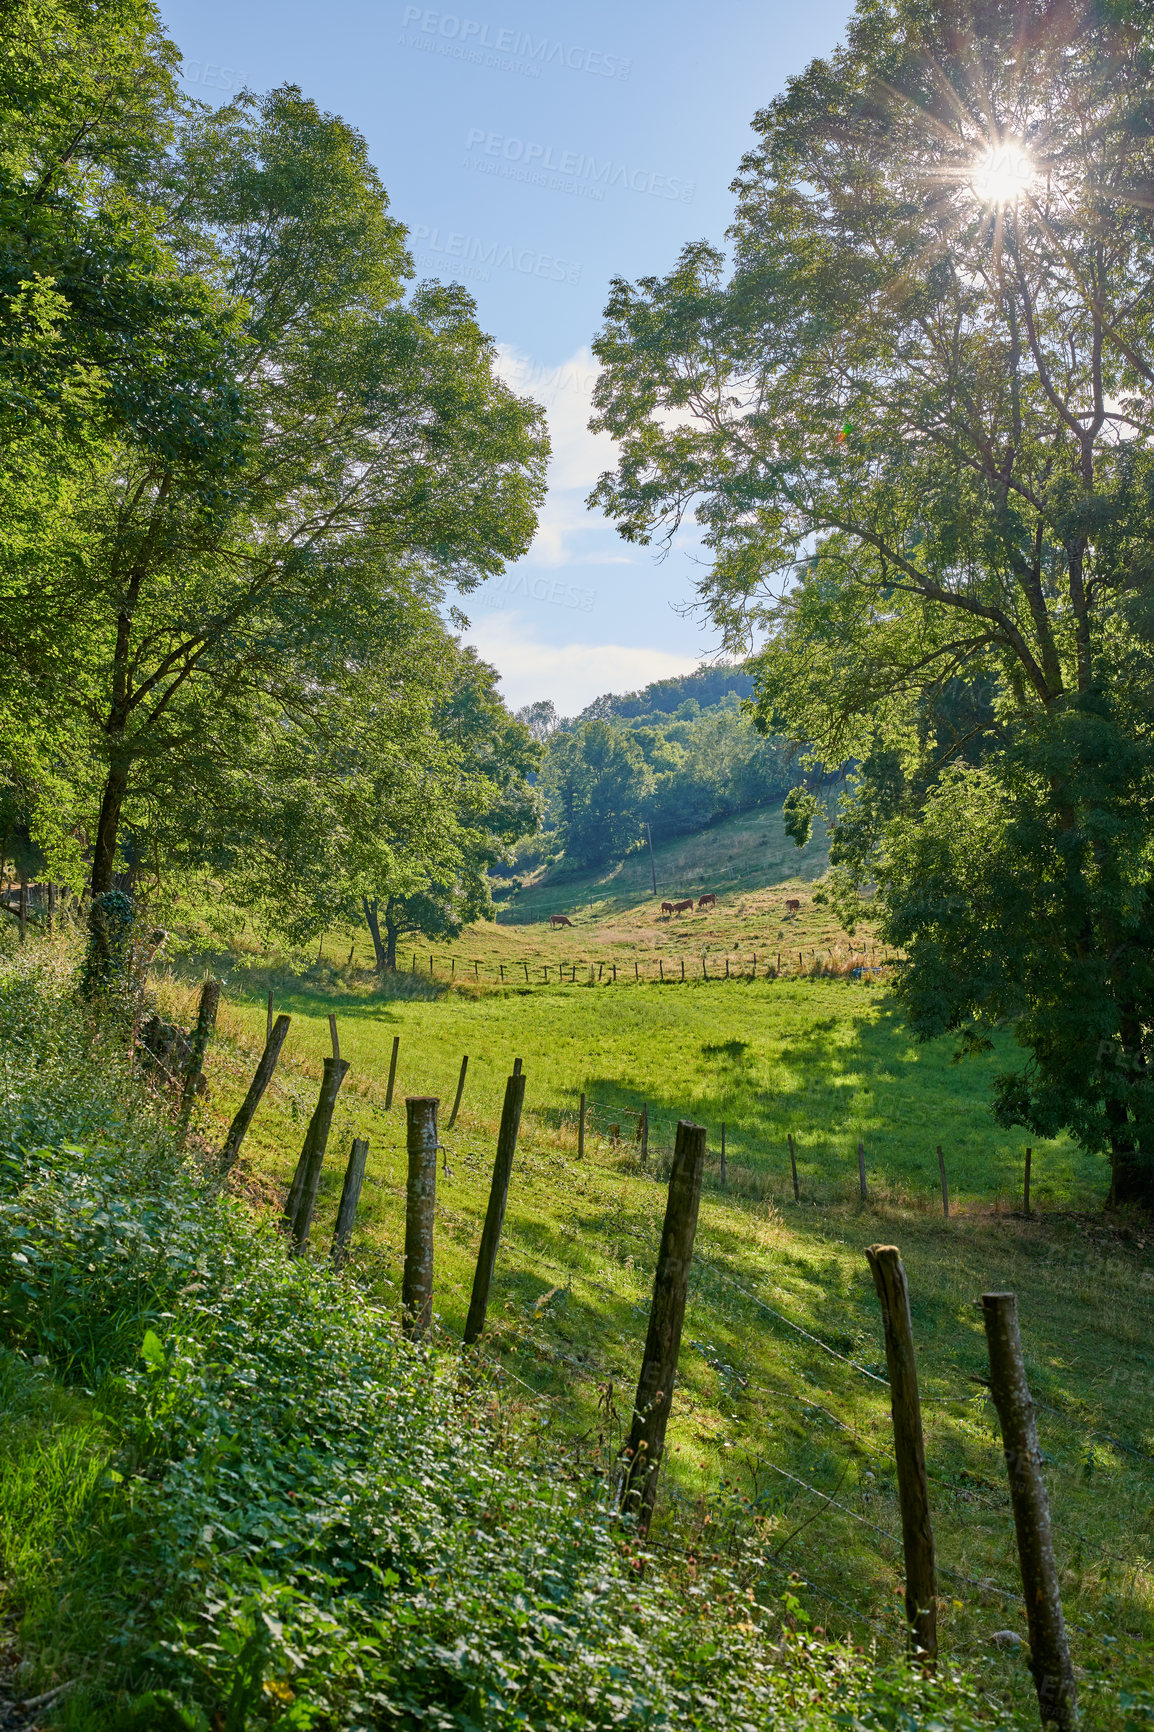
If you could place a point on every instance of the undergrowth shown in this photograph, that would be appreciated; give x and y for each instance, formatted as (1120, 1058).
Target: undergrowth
(234, 1496)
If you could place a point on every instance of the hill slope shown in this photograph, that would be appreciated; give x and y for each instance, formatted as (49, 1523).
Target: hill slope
(748, 852)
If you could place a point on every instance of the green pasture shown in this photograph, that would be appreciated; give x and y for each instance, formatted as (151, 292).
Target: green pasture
(828, 1061)
(759, 1399)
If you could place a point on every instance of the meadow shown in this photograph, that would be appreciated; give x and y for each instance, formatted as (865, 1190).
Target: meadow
(780, 1431)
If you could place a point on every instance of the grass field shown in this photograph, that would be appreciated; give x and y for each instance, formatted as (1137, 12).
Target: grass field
(830, 1062)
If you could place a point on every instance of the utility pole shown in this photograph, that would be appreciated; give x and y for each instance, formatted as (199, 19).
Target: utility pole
(652, 867)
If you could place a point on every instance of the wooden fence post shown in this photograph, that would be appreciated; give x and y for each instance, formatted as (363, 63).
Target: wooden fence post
(420, 1207)
(198, 1046)
(581, 1131)
(302, 1196)
(460, 1092)
(1049, 1650)
(644, 1132)
(495, 1213)
(252, 1100)
(793, 1168)
(350, 1197)
(1026, 1191)
(683, 968)
(392, 1072)
(661, 966)
(51, 906)
(642, 1454)
(945, 1186)
(909, 1450)
(23, 910)
(861, 1178)
(516, 1067)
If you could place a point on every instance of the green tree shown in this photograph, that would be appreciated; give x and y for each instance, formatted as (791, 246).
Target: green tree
(596, 783)
(374, 446)
(914, 421)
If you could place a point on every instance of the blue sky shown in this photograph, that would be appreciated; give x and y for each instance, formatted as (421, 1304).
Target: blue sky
(535, 152)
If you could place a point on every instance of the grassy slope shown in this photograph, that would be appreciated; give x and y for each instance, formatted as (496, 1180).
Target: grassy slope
(830, 1061)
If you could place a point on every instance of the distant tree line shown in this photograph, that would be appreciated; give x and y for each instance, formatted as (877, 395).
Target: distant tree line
(679, 755)
(246, 463)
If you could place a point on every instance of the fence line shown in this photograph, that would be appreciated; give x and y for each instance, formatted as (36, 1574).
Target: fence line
(603, 971)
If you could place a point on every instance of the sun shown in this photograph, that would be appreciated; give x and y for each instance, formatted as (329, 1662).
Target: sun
(1003, 173)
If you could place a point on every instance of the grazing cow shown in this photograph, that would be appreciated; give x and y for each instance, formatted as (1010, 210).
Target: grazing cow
(559, 920)
(793, 906)
(683, 907)
(709, 900)
(667, 908)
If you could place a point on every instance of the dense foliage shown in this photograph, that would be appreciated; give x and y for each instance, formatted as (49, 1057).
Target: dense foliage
(914, 417)
(677, 756)
(304, 1521)
(244, 466)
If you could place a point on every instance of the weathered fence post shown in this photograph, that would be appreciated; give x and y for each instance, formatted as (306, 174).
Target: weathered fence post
(51, 906)
(1049, 1650)
(302, 1196)
(392, 1072)
(945, 1186)
(1026, 1189)
(420, 1207)
(641, 1457)
(495, 1213)
(516, 1067)
(198, 1046)
(581, 1130)
(350, 1197)
(861, 1178)
(459, 1093)
(793, 1167)
(909, 1449)
(252, 1100)
(683, 968)
(22, 908)
(661, 966)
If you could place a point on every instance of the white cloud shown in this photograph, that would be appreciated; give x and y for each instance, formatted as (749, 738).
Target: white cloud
(579, 457)
(571, 674)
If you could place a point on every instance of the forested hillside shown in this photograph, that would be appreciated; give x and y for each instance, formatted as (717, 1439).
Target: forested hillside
(673, 758)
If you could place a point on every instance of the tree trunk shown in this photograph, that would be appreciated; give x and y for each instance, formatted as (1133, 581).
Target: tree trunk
(374, 927)
(392, 933)
(108, 826)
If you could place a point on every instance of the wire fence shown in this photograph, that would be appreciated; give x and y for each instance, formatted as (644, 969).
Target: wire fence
(807, 963)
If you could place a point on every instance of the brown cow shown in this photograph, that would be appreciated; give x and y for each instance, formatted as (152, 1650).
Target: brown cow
(681, 907)
(559, 920)
(793, 906)
(709, 900)
(667, 908)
